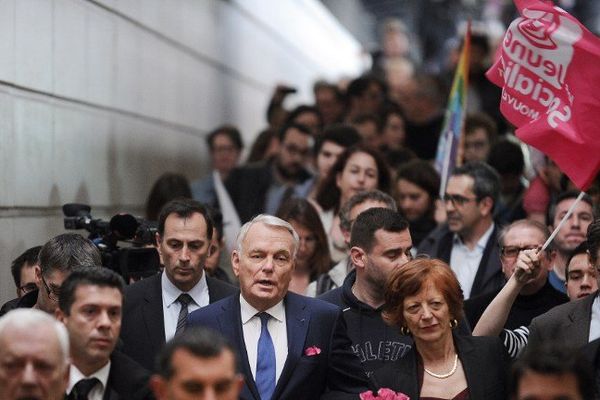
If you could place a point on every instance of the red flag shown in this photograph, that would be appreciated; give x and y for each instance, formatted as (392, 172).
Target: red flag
(548, 66)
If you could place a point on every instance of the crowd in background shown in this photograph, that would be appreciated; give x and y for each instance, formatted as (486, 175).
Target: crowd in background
(337, 199)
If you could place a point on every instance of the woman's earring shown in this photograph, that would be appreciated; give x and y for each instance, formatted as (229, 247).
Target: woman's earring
(453, 323)
(404, 330)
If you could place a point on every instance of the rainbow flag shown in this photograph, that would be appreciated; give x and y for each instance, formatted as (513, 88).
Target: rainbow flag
(449, 151)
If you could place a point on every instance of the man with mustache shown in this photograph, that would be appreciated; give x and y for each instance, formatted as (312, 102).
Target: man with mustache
(156, 308)
(90, 306)
(467, 242)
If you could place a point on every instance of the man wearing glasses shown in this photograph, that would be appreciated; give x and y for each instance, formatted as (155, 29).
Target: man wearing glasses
(57, 258)
(23, 272)
(467, 242)
(537, 295)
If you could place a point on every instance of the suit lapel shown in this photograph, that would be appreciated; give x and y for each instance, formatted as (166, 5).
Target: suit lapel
(471, 366)
(579, 321)
(153, 314)
(297, 316)
(230, 323)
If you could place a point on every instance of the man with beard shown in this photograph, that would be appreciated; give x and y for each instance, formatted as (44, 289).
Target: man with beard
(468, 241)
(260, 188)
(380, 242)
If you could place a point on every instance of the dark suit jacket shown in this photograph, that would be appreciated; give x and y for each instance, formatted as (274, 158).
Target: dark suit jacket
(310, 322)
(568, 323)
(489, 277)
(484, 360)
(143, 326)
(127, 380)
(248, 186)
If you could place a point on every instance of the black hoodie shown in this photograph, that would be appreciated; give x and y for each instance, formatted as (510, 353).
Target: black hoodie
(373, 341)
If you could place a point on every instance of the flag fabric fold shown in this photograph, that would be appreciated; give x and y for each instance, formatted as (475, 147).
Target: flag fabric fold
(548, 66)
(449, 150)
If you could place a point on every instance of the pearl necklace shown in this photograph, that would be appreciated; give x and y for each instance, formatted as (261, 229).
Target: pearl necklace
(446, 375)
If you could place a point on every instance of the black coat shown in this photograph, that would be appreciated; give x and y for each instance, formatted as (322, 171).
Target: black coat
(484, 361)
(143, 326)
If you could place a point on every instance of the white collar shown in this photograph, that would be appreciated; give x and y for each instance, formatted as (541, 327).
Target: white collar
(75, 375)
(171, 292)
(247, 311)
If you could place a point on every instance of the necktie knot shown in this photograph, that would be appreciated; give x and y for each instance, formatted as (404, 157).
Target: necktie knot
(184, 299)
(82, 389)
(264, 319)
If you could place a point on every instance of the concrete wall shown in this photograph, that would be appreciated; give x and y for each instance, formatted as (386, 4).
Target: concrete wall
(100, 97)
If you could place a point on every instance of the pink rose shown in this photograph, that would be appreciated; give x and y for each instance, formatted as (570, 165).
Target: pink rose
(312, 351)
(383, 394)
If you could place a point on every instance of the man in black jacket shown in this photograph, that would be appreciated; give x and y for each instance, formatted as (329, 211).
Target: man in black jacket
(468, 241)
(90, 307)
(156, 308)
(380, 242)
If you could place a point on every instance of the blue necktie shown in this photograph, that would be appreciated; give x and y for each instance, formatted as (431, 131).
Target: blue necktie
(265, 360)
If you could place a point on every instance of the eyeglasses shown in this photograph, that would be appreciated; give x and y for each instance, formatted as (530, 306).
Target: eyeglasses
(513, 251)
(457, 200)
(29, 287)
(53, 294)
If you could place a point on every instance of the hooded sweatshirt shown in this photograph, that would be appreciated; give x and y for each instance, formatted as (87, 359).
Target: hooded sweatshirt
(373, 341)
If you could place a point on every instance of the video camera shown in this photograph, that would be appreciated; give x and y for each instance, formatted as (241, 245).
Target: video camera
(134, 262)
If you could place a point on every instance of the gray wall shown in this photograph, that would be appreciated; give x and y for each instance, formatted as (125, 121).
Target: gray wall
(98, 98)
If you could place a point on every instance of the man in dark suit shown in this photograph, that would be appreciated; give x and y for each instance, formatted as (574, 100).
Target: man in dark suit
(263, 186)
(156, 308)
(575, 323)
(290, 346)
(468, 241)
(90, 307)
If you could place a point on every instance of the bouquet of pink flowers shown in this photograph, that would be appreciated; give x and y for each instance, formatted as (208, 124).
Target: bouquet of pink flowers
(383, 394)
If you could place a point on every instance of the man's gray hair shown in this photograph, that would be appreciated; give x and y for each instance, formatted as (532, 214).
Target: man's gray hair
(543, 229)
(66, 252)
(32, 319)
(270, 221)
(362, 197)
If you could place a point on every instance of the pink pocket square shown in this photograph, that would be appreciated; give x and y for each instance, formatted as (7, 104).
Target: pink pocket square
(312, 351)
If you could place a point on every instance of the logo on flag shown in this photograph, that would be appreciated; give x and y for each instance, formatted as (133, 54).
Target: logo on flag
(548, 67)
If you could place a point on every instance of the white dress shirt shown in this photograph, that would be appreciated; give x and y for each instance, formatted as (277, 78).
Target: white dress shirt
(595, 322)
(171, 307)
(465, 262)
(97, 392)
(277, 326)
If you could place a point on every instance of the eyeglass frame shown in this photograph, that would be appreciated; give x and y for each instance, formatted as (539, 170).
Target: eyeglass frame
(52, 295)
(457, 199)
(520, 249)
(31, 285)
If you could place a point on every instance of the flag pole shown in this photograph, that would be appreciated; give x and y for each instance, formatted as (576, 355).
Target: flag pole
(563, 220)
(446, 165)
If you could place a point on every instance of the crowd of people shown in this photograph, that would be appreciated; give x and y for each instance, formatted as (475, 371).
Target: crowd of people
(329, 265)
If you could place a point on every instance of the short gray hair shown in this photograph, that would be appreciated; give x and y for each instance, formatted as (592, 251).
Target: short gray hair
(362, 197)
(543, 229)
(271, 221)
(31, 319)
